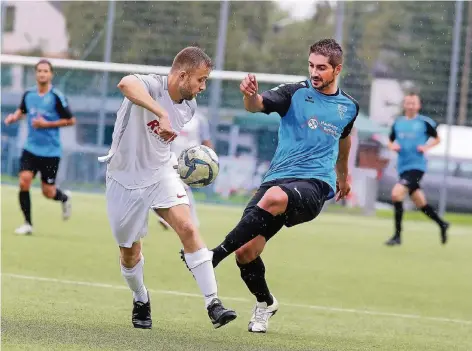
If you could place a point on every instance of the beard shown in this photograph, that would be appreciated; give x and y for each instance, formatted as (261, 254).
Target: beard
(186, 92)
(324, 84)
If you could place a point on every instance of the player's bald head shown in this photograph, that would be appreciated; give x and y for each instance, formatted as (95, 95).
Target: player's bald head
(191, 58)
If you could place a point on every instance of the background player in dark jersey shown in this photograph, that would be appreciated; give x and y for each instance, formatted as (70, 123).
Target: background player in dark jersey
(412, 136)
(310, 162)
(46, 110)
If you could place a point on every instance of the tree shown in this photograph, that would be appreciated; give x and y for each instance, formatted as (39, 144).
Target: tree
(412, 39)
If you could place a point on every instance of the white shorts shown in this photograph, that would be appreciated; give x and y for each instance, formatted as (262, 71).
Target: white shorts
(128, 209)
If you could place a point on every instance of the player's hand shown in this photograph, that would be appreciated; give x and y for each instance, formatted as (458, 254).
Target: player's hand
(39, 122)
(395, 147)
(249, 86)
(165, 130)
(10, 119)
(422, 148)
(343, 188)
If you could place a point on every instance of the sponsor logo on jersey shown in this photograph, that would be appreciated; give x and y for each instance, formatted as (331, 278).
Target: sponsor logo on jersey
(153, 129)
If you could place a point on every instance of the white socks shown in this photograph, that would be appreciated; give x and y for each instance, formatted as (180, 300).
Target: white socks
(201, 266)
(134, 278)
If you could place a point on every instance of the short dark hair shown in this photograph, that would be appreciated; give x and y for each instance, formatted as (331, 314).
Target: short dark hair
(44, 61)
(329, 48)
(413, 93)
(191, 57)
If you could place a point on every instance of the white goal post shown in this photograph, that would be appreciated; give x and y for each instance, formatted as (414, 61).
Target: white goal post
(144, 69)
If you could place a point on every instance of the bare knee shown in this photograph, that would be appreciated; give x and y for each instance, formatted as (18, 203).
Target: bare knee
(25, 181)
(274, 201)
(49, 191)
(188, 235)
(130, 256)
(251, 250)
(398, 193)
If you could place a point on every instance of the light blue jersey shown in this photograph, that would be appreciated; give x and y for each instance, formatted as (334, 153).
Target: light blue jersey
(311, 126)
(52, 106)
(410, 133)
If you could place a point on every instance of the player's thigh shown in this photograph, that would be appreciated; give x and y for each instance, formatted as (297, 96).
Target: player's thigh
(28, 169)
(305, 200)
(258, 195)
(251, 250)
(48, 167)
(127, 213)
(399, 191)
(278, 222)
(170, 201)
(409, 182)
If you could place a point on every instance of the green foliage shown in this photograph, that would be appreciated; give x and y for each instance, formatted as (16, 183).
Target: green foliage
(411, 40)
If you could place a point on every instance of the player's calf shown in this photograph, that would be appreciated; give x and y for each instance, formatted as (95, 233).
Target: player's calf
(132, 268)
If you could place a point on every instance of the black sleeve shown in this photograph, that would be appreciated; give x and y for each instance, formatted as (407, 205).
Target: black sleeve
(62, 108)
(347, 129)
(279, 98)
(431, 131)
(392, 135)
(22, 106)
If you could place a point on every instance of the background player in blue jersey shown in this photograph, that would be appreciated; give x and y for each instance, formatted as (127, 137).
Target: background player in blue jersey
(411, 137)
(309, 165)
(46, 110)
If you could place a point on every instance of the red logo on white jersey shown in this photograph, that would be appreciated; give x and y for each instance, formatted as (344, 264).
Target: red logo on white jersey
(153, 128)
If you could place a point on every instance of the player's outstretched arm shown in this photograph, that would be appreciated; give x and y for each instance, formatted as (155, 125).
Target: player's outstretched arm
(134, 90)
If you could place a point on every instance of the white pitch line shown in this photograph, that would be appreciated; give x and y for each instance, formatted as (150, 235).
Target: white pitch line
(179, 293)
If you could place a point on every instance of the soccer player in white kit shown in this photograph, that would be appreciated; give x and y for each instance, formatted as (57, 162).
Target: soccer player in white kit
(196, 132)
(141, 176)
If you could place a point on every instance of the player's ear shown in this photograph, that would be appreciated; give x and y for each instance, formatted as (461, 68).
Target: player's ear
(338, 69)
(182, 74)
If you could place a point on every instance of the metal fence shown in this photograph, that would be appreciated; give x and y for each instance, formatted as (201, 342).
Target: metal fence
(389, 47)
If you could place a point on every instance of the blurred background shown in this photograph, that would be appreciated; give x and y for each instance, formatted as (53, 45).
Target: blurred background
(62, 288)
(390, 48)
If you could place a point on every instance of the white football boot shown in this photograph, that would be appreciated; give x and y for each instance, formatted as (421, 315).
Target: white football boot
(67, 206)
(261, 314)
(25, 229)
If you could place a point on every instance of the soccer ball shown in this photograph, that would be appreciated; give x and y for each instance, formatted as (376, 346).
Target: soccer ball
(198, 166)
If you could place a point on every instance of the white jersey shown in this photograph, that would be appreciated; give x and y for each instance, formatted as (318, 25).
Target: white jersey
(193, 133)
(138, 155)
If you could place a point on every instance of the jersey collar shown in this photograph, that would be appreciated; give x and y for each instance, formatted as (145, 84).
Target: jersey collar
(319, 92)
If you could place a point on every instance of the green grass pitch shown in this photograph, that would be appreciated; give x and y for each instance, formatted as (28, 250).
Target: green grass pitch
(339, 287)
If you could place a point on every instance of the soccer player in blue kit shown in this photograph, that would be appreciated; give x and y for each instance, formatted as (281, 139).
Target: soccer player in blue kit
(309, 167)
(412, 135)
(46, 110)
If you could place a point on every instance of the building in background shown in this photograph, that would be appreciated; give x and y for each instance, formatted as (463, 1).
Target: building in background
(34, 27)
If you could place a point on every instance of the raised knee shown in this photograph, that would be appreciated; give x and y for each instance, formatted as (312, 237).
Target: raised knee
(246, 255)
(274, 201)
(49, 193)
(397, 196)
(187, 228)
(187, 232)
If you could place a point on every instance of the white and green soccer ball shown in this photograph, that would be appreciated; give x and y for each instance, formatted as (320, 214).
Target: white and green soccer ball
(198, 166)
